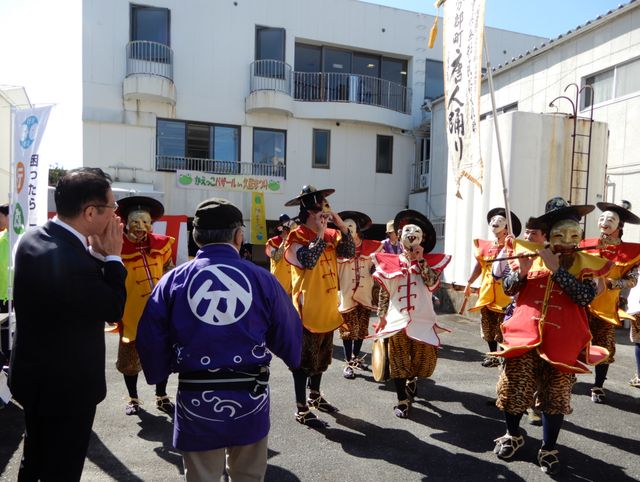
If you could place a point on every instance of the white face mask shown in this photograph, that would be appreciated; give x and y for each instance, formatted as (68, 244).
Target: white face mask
(497, 223)
(608, 222)
(411, 236)
(351, 225)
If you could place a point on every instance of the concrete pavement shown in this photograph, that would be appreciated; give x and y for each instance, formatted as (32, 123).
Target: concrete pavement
(448, 436)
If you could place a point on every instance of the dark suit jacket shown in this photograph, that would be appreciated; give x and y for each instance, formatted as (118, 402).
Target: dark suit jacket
(62, 297)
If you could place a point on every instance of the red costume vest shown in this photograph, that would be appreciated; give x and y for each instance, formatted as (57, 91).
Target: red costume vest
(547, 319)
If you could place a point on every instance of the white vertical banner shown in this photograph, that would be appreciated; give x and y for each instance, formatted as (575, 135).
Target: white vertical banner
(30, 175)
(463, 36)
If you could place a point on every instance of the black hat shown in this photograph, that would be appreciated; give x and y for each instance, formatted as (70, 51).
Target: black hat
(516, 225)
(409, 216)
(217, 213)
(626, 216)
(558, 209)
(533, 223)
(310, 197)
(361, 219)
(283, 219)
(4, 209)
(140, 203)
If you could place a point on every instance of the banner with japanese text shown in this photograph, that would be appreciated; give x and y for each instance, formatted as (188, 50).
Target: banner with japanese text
(258, 219)
(229, 182)
(463, 37)
(30, 175)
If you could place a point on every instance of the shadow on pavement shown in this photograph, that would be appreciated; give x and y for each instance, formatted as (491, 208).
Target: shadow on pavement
(12, 423)
(625, 403)
(401, 448)
(102, 457)
(278, 474)
(159, 428)
(461, 354)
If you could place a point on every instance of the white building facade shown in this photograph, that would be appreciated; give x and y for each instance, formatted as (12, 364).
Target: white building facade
(296, 92)
(604, 54)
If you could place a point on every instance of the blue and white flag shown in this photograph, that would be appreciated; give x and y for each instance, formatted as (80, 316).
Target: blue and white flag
(30, 176)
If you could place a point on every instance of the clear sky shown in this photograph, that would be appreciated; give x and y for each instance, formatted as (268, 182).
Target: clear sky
(545, 18)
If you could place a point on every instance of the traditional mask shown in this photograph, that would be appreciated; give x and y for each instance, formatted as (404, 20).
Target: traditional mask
(138, 226)
(411, 236)
(497, 223)
(608, 222)
(565, 235)
(352, 226)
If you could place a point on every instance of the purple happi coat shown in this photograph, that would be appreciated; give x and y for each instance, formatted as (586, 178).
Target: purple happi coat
(217, 311)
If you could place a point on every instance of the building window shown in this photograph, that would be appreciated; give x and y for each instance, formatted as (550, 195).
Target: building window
(618, 81)
(150, 29)
(384, 154)
(197, 146)
(270, 43)
(269, 152)
(321, 148)
(434, 79)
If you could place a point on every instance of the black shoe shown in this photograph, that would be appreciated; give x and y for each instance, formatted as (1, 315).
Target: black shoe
(548, 461)
(348, 372)
(132, 407)
(491, 362)
(165, 405)
(306, 417)
(507, 446)
(402, 409)
(319, 403)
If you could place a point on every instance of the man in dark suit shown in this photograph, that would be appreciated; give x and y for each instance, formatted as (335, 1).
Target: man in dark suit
(62, 297)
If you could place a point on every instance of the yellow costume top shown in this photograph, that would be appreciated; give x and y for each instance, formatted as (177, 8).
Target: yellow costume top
(145, 266)
(279, 267)
(491, 294)
(315, 290)
(624, 256)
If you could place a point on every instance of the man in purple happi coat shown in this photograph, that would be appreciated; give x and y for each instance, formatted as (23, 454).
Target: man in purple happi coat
(215, 321)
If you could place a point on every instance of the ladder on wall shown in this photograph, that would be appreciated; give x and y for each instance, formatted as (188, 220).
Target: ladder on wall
(580, 148)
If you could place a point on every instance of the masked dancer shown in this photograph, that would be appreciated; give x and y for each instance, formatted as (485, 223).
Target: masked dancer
(547, 340)
(605, 311)
(405, 306)
(146, 256)
(312, 250)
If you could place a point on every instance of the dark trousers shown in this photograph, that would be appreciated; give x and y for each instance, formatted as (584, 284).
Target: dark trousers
(55, 446)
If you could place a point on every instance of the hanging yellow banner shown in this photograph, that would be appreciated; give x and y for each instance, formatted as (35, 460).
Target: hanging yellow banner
(258, 219)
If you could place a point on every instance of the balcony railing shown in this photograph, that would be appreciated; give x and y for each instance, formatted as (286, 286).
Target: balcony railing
(419, 176)
(152, 58)
(213, 166)
(271, 75)
(329, 86)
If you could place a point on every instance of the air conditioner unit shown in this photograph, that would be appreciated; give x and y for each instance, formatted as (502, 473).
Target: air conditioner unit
(423, 182)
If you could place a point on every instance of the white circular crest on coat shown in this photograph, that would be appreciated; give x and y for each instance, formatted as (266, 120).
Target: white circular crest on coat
(219, 295)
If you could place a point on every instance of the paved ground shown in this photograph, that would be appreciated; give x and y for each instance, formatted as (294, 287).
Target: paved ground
(448, 437)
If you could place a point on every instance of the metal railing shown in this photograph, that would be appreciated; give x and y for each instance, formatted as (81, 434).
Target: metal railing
(358, 89)
(419, 180)
(213, 166)
(271, 75)
(329, 86)
(153, 58)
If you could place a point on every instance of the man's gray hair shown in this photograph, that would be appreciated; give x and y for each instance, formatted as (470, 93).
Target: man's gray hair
(202, 237)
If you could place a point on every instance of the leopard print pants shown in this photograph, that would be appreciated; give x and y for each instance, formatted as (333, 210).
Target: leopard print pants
(357, 324)
(634, 332)
(128, 362)
(603, 334)
(410, 358)
(317, 351)
(525, 375)
(490, 322)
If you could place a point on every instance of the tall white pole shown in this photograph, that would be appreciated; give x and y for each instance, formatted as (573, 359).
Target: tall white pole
(496, 129)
